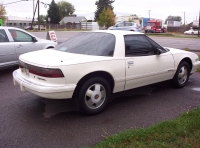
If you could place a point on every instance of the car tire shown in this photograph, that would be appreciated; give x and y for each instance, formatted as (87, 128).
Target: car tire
(181, 76)
(94, 96)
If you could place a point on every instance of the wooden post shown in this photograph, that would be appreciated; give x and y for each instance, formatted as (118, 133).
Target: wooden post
(38, 14)
(199, 25)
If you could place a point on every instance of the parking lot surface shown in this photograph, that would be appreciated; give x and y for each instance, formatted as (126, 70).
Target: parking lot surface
(31, 121)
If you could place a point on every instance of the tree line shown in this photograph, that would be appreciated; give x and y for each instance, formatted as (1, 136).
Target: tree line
(104, 13)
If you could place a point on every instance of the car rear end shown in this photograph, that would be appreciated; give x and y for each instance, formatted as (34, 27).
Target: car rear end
(42, 81)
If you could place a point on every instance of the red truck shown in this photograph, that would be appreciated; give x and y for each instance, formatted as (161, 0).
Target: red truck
(154, 26)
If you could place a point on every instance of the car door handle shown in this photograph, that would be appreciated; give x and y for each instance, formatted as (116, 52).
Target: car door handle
(130, 63)
(20, 46)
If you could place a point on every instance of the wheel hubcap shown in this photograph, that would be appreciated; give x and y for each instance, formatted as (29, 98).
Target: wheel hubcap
(183, 75)
(95, 96)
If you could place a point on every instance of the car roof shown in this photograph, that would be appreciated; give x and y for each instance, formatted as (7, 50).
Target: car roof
(118, 32)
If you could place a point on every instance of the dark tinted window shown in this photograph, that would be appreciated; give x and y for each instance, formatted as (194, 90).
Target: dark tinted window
(3, 36)
(90, 43)
(138, 45)
(155, 44)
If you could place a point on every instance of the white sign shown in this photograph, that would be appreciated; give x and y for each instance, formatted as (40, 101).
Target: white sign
(51, 35)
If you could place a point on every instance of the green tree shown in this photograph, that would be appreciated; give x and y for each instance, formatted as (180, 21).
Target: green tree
(101, 4)
(173, 18)
(3, 12)
(106, 18)
(53, 13)
(65, 8)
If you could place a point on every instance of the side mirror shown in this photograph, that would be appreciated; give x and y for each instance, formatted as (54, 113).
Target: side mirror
(158, 51)
(34, 39)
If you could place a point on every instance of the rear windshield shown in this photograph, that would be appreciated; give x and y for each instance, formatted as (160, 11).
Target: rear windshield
(89, 43)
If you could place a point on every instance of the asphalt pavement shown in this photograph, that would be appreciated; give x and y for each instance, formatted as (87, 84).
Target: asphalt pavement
(31, 121)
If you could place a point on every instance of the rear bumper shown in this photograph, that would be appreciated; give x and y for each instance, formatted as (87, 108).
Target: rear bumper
(45, 91)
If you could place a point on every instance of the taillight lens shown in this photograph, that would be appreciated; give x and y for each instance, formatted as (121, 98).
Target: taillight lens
(44, 72)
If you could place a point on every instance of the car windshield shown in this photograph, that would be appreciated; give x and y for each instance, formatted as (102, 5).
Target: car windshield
(89, 43)
(150, 24)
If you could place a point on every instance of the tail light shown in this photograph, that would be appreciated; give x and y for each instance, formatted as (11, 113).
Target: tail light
(44, 72)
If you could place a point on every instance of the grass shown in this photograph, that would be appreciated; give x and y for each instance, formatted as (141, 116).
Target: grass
(183, 132)
(198, 69)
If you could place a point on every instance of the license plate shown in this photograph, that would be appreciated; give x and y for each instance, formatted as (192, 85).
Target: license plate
(25, 70)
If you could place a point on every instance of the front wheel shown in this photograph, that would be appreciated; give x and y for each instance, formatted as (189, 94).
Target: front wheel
(182, 75)
(94, 96)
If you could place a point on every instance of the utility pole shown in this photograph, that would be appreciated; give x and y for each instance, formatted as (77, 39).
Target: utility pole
(149, 14)
(199, 25)
(33, 8)
(184, 18)
(38, 14)
(34, 16)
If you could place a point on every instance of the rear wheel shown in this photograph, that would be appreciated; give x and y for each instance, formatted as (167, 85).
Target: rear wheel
(182, 75)
(94, 96)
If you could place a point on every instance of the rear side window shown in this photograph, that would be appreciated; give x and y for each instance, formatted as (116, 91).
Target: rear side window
(90, 43)
(3, 36)
(128, 24)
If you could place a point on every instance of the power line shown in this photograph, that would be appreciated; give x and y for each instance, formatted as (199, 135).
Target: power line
(11, 3)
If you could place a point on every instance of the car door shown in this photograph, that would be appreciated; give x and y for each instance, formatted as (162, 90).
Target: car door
(143, 65)
(7, 50)
(23, 42)
(128, 26)
(119, 26)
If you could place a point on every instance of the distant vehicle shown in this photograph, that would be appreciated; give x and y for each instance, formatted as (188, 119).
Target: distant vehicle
(90, 66)
(27, 28)
(154, 26)
(127, 26)
(41, 27)
(191, 31)
(15, 41)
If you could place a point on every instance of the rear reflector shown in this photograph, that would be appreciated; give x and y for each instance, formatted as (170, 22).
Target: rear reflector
(44, 72)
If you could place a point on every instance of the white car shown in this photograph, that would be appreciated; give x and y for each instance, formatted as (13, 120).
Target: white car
(90, 66)
(191, 31)
(41, 27)
(15, 41)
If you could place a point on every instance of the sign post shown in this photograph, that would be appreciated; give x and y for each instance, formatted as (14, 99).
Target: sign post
(49, 19)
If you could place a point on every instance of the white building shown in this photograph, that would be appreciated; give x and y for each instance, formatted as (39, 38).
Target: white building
(127, 18)
(174, 23)
(19, 22)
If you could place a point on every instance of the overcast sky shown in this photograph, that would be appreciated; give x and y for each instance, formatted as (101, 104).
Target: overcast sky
(160, 9)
